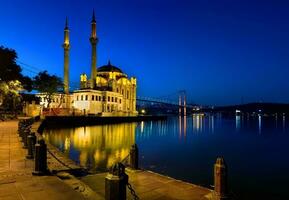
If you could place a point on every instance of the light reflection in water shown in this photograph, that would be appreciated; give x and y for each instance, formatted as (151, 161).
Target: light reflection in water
(260, 123)
(96, 147)
(182, 127)
(197, 123)
(238, 122)
(283, 123)
(141, 126)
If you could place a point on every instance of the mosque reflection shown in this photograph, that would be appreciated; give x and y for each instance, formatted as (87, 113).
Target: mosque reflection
(96, 147)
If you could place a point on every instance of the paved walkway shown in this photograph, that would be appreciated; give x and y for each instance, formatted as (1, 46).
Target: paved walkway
(152, 186)
(16, 180)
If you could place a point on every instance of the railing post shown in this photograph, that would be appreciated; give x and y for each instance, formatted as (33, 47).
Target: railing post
(30, 146)
(25, 137)
(133, 154)
(221, 179)
(115, 183)
(40, 158)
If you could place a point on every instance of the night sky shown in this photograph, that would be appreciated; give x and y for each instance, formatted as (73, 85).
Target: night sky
(219, 51)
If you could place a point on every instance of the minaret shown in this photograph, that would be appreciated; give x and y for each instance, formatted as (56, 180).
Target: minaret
(66, 47)
(93, 40)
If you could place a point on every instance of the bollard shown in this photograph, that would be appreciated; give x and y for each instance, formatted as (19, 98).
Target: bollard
(221, 178)
(33, 141)
(115, 183)
(40, 158)
(24, 138)
(30, 146)
(133, 157)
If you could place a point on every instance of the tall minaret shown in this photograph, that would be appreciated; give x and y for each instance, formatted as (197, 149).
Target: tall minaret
(93, 40)
(66, 47)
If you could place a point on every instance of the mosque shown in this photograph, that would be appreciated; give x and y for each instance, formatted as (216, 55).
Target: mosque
(108, 91)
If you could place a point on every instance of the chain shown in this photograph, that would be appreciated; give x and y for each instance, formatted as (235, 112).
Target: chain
(135, 197)
(125, 160)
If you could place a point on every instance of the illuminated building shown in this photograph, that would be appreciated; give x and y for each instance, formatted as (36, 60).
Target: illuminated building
(108, 92)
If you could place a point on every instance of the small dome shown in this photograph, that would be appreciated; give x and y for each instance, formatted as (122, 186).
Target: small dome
(109, 68)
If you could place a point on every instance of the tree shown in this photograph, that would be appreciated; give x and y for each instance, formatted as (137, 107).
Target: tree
(10, 70)
(48, 85)
(11, 80)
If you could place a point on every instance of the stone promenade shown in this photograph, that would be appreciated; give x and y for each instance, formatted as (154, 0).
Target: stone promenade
(152, 186)
(16, 180)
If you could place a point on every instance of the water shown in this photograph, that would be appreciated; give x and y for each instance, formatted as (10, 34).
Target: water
(255, 149)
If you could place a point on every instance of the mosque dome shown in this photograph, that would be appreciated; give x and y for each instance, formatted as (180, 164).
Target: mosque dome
(109, 68)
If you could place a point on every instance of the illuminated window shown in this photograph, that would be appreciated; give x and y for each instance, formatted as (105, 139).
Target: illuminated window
(92, 97)
(86, 97)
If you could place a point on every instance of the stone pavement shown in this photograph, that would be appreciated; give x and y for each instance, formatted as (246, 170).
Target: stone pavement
(16, 180)
(152, 186)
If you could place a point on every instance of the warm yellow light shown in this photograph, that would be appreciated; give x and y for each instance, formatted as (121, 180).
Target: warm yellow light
(143, 111)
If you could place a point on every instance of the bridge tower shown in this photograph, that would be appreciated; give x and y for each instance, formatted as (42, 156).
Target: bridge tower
(182, 103)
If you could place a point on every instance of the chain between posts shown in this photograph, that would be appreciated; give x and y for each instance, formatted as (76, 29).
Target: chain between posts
(133, 193)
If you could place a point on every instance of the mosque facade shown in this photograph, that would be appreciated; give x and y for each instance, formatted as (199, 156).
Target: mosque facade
(108, 91)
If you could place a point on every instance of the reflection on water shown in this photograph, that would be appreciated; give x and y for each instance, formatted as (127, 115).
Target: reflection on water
(283, 123)
(238, 122)
(185, 148)
(96, 147)
(197, 123)
(260, 123)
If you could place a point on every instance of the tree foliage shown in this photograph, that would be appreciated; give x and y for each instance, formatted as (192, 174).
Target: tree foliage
(47, 84)
(11, 80)
(10, 70)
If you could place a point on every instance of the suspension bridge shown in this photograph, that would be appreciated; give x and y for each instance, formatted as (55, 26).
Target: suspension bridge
(175, 103)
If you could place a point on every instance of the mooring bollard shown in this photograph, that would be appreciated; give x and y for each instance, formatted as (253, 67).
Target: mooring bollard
(221, 179)
(30, 146)
(40, 158)
(115, 183)
(25, 138)
(133, 154)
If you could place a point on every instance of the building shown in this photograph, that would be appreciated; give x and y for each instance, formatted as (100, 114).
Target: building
(108, 91)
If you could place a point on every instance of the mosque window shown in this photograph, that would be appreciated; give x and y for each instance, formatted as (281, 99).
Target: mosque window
(117, 90)
(108, 98)
(108, 108)
(112, 99)
(116, 99)
(92, 97)
(103, 98)
(122, 91)
(120, 101)
(81, 97)
(77, 98)
(63, 100)
(86, 97)
(127, 94)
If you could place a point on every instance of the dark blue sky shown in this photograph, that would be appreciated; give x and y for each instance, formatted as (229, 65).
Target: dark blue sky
(219, 51)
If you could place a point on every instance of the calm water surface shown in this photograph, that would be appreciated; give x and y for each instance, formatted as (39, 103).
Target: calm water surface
(255, 149)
